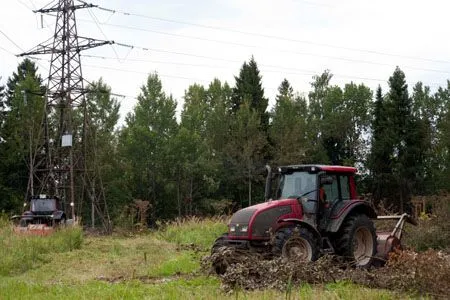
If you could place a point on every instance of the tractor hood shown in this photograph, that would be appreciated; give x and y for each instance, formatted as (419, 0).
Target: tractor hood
(257, 219)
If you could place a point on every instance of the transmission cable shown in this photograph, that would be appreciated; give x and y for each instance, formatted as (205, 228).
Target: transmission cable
(268, 36)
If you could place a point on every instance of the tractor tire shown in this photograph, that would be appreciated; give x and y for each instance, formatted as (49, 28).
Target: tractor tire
(23, 223)
(357, 241)
(218, 243)
(219, 266)
(296, 243)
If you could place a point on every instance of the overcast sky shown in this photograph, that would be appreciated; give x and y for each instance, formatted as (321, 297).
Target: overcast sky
(195, 41)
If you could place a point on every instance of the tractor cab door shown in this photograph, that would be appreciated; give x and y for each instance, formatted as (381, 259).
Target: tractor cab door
(333, 192)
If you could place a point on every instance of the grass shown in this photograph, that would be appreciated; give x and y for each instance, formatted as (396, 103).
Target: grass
(19, 254)
(200, 232)
(155, 265)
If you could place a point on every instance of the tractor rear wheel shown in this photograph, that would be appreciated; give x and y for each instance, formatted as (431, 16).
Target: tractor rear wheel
(357, 240)
(296, 243)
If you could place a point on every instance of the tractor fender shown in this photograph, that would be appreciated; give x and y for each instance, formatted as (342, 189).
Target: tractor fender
(28, 215)
(57, 215)
(349, 207)
(304, 224)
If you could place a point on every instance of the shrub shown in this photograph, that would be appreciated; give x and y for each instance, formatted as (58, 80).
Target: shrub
(433, 230)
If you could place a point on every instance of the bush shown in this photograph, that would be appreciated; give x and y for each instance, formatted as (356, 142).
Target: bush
(433, 230)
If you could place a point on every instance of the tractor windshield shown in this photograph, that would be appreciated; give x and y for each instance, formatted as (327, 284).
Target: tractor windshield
(43, 205)
(297, 184)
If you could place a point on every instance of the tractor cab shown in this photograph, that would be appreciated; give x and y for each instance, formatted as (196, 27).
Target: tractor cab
(44, 205)
(320, 190)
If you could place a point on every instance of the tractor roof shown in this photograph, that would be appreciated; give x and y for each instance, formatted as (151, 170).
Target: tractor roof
(329, 168)
(43, 197)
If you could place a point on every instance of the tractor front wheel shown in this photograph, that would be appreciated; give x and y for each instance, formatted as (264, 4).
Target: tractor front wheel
(219, 266)
(357, 240)
(296, 244)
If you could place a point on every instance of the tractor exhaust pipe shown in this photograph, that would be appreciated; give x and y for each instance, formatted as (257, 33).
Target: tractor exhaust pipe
(268, 183)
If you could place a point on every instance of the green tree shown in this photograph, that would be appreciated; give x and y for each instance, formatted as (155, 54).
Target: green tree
(426, 110)
(218, 118)
(100, 142)
(21, 133)
(443, 132)
(218, 130)
(245, 151)
(193, 158)
(338, 120)
(407, 136)
(381, 150)
(288, 127)
(357, 101)
(2, 96)
(316, 98)
(249, 88)
(144, 144)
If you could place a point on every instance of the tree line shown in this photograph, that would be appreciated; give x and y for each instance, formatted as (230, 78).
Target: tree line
(212, 160)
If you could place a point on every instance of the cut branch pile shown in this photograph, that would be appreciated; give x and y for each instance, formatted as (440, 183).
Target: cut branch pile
(406, 271)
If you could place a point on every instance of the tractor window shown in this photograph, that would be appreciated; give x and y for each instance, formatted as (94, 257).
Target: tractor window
(298, 184)
(332, 190)
(345, 187)
(43, 205)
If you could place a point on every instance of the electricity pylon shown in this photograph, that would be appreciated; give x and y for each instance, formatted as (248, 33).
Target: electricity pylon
(65, 172)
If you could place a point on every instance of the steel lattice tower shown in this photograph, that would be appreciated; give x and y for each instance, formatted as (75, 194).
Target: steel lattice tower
(65, 172)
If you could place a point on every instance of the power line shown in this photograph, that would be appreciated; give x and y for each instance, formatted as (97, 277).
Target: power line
(103, 33)
(141, 72)
(266, 48)
(20, 48)
(264, 68)
(7, 51)
(9, 39)
(271, 36)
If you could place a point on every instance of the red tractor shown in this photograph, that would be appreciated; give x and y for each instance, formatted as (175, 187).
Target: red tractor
(317, 211)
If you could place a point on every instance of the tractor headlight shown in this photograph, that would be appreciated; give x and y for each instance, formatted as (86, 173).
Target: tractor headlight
(232, 228)
(244, 228)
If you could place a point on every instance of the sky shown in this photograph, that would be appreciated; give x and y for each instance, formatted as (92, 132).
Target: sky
(195, 41)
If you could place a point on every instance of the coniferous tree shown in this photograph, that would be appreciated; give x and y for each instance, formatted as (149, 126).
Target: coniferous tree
(249, 88)
(407, 138)
(381, 150)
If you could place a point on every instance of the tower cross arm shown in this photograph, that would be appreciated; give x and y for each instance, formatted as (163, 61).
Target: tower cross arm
(58, 8)
(44, 48)
(87, 43)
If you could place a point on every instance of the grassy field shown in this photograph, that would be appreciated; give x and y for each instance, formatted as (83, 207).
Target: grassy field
(164, 264)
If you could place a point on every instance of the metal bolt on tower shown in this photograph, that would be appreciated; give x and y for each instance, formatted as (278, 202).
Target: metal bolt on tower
(65, 124)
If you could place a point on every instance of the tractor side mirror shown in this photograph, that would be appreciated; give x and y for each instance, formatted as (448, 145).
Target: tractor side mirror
(326, 180)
